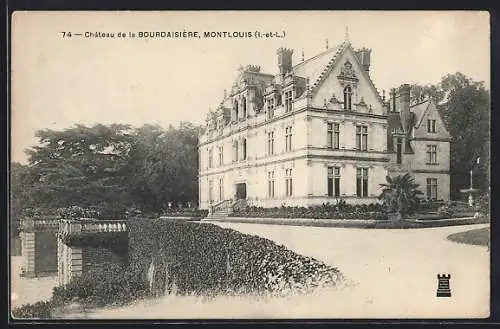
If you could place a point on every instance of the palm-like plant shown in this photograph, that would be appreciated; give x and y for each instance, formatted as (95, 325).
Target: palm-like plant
(400, 194)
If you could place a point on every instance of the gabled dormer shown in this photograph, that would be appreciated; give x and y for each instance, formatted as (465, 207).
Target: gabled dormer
(428, 122)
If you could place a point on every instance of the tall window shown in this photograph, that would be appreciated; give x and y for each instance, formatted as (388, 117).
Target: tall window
(361, 137)
(288, 138)
(431, 154)
(270, 184)
(333, 135)
(362, 182)
(221, 188)
(333, 181)
(270, 108)
(288, 101)
(431, 126)
(270, 143)
(432, 188)
(210, 158)
(236, 111)
(244, 149)
(244, 107)
(210, 190)
(288, 181)
(399, 150)
(347, 98)
(221, 155)
(235, 151)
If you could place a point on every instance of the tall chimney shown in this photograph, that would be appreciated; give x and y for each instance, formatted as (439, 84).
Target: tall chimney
(403, 105)
(284, 60)
(364, 55)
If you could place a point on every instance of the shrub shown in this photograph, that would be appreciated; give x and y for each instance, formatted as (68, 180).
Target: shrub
(38, 310)
(483, 204)
(445, 211)
(103, 284)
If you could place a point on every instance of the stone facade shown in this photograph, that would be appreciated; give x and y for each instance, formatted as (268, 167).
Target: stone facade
(315, 132)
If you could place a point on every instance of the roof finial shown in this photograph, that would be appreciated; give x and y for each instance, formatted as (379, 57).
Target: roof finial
(327, 44)
(347, 33)
(302, 54)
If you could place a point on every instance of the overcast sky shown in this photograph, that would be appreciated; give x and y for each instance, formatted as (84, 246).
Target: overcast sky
(57, 82)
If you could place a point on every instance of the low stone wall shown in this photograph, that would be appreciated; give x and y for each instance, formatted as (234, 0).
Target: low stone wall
(354, 223)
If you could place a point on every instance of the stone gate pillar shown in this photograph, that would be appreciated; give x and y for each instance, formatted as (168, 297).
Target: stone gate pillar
(28, 247)
(69, 258)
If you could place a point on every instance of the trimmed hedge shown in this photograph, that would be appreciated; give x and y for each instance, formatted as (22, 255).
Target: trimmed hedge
(188, 258)
(206, 259)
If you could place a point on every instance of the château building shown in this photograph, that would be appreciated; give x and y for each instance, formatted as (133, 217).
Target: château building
(316, 132)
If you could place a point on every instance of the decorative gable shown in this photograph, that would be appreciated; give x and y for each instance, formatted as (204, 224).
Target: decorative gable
(345, 75)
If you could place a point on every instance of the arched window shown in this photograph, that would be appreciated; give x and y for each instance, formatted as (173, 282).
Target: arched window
(236, 114)
(244, 147)
(347, 98)
(244, 105)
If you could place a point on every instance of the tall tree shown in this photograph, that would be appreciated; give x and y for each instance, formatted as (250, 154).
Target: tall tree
(80, 165)
(164, 166)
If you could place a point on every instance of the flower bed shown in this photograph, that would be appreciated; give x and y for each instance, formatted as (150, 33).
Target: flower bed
(326, 211)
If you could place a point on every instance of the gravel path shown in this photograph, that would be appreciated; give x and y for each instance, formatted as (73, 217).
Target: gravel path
(24, 290)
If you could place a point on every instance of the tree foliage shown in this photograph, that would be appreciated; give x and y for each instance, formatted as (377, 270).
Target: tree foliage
(465, 107)
(108, 166)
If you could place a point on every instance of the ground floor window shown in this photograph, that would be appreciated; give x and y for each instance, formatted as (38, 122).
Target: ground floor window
(432, 188)
(288, 182)
(362, 182)
(270, 184)
(333, 181)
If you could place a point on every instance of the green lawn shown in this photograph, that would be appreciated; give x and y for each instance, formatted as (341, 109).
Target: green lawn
(478, 237)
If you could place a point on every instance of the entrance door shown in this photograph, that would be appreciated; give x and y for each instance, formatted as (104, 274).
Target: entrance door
(241, 191)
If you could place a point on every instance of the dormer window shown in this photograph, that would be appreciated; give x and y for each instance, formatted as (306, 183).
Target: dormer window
(288, 101)
(244, 107)
(236, 111)
(431, 126)
(348, 98)
(270, 107)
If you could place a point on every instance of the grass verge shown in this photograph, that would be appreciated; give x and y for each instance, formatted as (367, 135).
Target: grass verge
(478, 237)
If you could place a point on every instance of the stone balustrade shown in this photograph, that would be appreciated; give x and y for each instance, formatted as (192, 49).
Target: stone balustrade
(71, 226)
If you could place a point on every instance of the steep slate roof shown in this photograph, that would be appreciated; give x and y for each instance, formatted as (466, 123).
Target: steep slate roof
(314, 66)
(419, 111)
